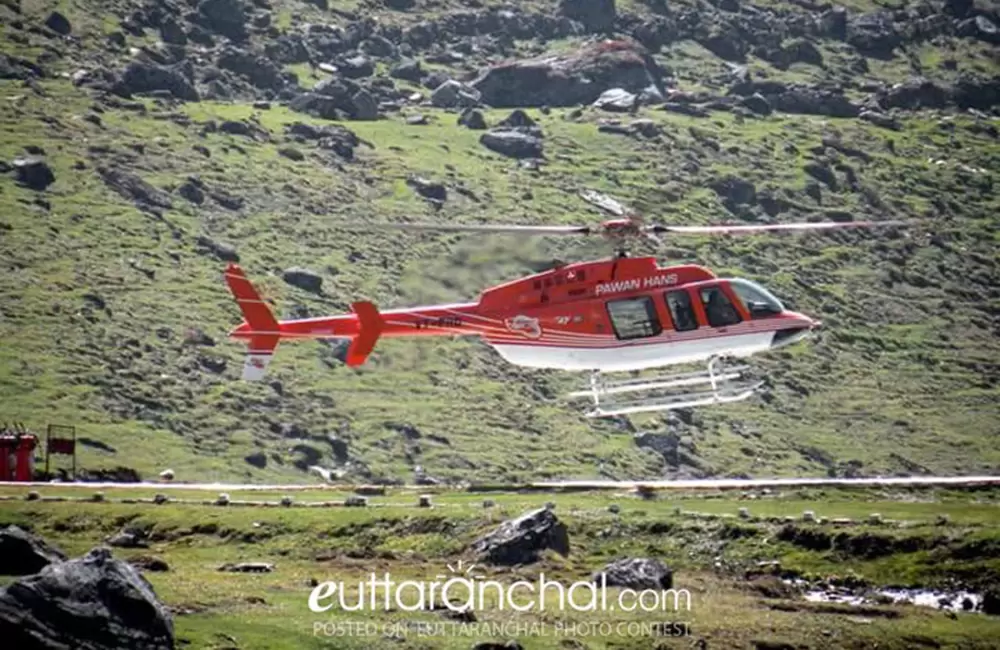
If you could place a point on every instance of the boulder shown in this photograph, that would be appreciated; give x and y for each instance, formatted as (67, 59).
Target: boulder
(22, 553)
(303, 279)
(617, 100)
(258, 70)
(521, 540)
(734, 190)
(58, 23)
(454, 94)
(570, 79)
(408, 70)
(135, 189)
(89, 603)
(431, 190)
(636, 573)
(594, 15)
(225, 17)
(473, 119)
(33, 173)
(512, 143)
(140, 77)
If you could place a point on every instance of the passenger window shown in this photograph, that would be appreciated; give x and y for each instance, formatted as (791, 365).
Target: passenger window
(719, 308)
(679, 303)
(634, 318)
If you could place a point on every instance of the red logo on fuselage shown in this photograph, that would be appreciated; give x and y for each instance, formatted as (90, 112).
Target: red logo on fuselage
(524, 325)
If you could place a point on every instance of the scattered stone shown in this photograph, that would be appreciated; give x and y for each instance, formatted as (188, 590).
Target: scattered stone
(128, 538)
(408, 70)
(734, 191)
(160, 498)
(33, 173)
(428, 189)
(516, 119)
(95, 601)
(521, 540)
(291, 153)
(22, 553)
(472, 118)
(223, 251)
(286, 501)
(453, 94)
(594, 15)
(617, 100)
(192, 190)
(757, 103)
(257, 459)
(881, 119)
(424, 501)
(222, 500)
(167, 475)
(513, 144)
(135, 189)
(355, 501)
(225, 17)
(636, 573)
(58, 23)
(140, 77)
(303, 279)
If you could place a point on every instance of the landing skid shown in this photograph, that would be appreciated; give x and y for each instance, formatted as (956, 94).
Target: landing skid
(724, 385)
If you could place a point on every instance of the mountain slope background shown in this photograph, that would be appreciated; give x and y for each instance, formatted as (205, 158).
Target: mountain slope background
(180, 135)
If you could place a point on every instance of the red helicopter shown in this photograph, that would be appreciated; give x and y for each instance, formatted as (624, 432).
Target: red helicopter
(613, 315)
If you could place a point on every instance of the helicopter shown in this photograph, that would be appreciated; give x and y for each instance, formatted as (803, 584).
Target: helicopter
(621, 314)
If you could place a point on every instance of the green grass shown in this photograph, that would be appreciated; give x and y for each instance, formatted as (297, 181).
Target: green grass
(392, 535)
(903, 379)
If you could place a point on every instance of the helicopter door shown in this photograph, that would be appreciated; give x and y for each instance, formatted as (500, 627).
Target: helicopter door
(719, 309)
(681, 311)
(634, 318)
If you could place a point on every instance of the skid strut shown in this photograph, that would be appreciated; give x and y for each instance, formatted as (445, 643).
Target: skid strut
(723, 385)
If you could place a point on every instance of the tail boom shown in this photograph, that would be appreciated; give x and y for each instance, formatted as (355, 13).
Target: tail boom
(365, 326)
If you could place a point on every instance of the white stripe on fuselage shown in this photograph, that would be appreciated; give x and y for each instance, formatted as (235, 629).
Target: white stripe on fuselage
(637, 357)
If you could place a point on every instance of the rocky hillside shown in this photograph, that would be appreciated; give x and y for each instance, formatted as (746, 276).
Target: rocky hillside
(143, 144)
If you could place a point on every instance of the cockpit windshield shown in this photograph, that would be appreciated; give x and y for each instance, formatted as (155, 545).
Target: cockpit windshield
(760, 302)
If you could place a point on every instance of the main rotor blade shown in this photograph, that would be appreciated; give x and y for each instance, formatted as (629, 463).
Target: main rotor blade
(752, 228)
(488, 228)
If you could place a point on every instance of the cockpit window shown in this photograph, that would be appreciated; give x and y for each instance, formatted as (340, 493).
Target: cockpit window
(760, 302)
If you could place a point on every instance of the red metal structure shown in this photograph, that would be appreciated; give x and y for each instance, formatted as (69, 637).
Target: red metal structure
(17, 454)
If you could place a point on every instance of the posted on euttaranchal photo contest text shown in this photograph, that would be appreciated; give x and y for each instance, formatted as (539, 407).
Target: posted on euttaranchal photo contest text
(460, 602)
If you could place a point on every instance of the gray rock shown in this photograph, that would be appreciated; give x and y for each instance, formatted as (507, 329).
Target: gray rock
(22, 553)
(135, 189)
(33, 173)
(516, 119)
(409, 70)
(521, 540)
(636, 573)
(513, 144)
(453, 94)
(617, 100)
(303, 279)
(226, 17)
(757, 103)
(140, 77)
(365, 107)
(473, 119)
(58, 23)
(87, 603)
(428, 189)
(595, 15)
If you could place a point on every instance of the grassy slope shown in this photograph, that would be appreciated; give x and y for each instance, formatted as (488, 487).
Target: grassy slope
(903, 379)
(269, 610)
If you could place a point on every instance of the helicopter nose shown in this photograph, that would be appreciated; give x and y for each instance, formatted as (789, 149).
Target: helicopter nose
(803, 326)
